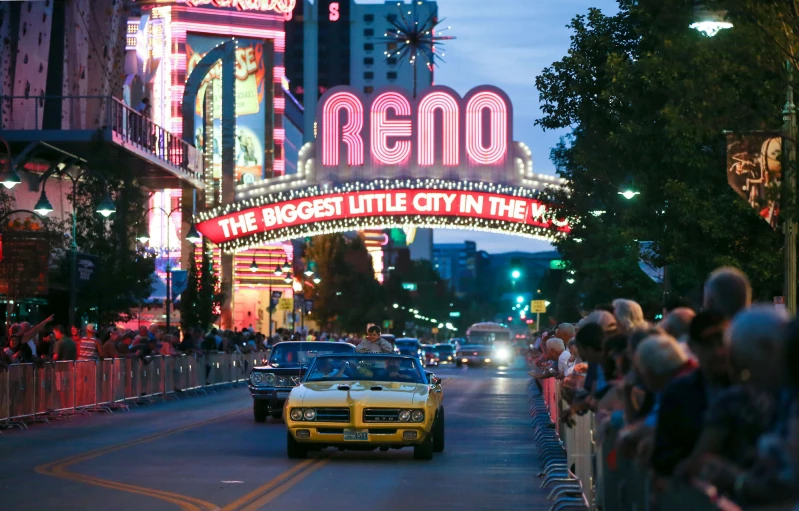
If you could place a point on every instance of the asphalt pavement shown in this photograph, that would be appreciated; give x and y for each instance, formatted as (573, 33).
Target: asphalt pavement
(207, 453)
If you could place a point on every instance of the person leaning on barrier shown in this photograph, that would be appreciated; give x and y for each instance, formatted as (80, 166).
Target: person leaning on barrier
(374, 343)
(726, 454)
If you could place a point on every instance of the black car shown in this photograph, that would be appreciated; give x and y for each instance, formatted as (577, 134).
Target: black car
(446, 353)
(474, 355)
(270, 385)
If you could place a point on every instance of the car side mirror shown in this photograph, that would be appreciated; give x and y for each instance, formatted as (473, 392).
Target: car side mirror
(435, 380)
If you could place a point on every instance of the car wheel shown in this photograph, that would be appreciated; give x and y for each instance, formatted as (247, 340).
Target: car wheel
(294, 449)
(438, 432)
(424, 451)
(260, 410)
(277, 414)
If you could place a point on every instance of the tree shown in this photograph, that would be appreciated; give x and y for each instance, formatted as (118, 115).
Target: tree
(648, 99)
(122, 276)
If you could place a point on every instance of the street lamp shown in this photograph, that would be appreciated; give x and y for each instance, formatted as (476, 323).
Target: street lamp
(144, 236)
(8, 175)
(44, 207)
(628, 189)
(515, 274)
(193, 235)
(709, 21)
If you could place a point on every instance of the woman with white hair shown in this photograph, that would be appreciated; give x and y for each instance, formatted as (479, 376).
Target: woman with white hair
(629, 315)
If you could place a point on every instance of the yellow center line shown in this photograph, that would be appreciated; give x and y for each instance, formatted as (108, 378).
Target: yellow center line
(271, 495)
(267, 487)
(59, 469)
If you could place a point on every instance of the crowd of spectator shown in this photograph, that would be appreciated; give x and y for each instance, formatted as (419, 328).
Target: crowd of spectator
(709, 397)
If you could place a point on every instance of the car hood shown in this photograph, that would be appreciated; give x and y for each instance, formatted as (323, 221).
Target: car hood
(393, 395)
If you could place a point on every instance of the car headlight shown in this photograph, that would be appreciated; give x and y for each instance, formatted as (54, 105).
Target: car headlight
(256, 378)
(404, 415)
(296, 414)
(417, 416)
(309, 414)
(502, 354)
(269, 379)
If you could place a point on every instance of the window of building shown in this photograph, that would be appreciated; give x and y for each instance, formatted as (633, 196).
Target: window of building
(391, 61)
(369, 18)
(391, 75)
(369, 75)
(368, 61)
(368, 46)
(391, 18)
(391, 46)
(368, 89)
(368, 32)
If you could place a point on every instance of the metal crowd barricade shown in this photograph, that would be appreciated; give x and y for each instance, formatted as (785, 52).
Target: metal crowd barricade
(30, 393)
(590, 475)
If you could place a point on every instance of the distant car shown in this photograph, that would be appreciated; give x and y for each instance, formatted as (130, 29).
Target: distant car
(409, 346)
(446, 353)
(270, 384)
(474, 355)
(365, 402)
(429, 355)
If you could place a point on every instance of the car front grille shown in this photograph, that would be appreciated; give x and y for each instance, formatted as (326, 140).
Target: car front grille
(332, 414)
(381, 415)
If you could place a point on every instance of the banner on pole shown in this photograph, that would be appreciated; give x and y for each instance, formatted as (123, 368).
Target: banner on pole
(754, 171)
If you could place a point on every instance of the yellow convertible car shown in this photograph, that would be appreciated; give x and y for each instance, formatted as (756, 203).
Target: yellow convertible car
(366, 402)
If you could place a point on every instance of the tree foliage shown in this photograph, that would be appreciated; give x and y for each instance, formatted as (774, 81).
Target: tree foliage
(649, 100)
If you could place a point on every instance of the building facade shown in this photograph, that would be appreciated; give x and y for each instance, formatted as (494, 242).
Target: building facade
(457, 264)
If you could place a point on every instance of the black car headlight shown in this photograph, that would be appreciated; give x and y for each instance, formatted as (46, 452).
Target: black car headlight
(417, 416)
(269, 379)
(256, 378)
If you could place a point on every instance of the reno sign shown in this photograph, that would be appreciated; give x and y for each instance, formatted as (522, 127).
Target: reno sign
(390, 160)
(438, 129)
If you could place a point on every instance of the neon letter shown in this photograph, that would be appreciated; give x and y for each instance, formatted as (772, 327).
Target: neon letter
(350, 132)
(334, 14)
(449, 128)
(383, 128)
(498, 122)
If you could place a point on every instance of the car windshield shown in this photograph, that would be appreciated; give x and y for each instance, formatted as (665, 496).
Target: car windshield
(297, 354)
(445, 348)
(365, 367)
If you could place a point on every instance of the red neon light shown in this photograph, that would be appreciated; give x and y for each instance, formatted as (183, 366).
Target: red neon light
(363, 204)
(498, 114)
(282, 6)
(449, 128)
(350, 132)
(383, 129)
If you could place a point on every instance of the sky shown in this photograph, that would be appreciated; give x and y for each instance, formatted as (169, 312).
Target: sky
(507, 43)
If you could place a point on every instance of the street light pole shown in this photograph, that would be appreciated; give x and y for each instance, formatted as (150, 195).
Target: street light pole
(790, 225)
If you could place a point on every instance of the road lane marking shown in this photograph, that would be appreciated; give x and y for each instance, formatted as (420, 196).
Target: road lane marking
(276, 492)
(279, 479)
(60, 469)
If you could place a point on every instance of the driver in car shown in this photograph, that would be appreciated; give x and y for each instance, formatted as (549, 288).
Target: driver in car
(327, 369)
(397, 371)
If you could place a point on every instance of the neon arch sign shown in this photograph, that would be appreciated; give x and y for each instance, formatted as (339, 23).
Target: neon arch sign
(389, 129)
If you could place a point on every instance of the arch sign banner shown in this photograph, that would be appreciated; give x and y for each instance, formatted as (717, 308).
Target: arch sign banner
(352, 206)
(389, 160)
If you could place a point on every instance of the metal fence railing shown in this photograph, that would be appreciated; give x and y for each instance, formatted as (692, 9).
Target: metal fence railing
(40, 392)
(582, 470)
(100, 113)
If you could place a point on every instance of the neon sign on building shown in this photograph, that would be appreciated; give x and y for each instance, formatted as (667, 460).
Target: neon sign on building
(439, 128)
(283, 6)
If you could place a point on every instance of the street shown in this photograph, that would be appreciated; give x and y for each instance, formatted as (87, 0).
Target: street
(206, 453)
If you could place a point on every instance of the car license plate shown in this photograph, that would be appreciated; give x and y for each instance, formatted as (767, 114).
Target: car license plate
(283, 394)
(356, 435)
